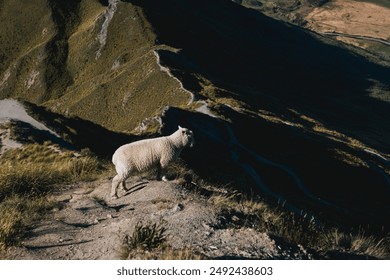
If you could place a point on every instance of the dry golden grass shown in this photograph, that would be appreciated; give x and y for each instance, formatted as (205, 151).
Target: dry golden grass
(300, 229)
(17, 214)
(237, 203)
(27, 175)
(349, 158)
(359, 243)
(36, 168)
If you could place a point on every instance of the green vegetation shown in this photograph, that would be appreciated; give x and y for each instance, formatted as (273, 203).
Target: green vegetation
(27, 175)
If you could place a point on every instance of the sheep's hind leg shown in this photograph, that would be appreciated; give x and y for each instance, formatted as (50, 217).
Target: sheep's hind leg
(115, 183)
(123, 184)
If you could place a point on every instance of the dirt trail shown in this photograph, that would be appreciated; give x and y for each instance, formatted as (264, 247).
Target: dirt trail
(89, 225)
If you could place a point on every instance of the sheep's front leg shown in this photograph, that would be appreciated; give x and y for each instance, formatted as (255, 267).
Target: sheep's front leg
(160, 171)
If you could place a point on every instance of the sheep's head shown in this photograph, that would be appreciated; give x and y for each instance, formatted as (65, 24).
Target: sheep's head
(187, 136)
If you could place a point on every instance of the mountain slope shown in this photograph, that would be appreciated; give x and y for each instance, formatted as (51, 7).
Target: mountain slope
(70, 64)
(292, 115)
(305, 115)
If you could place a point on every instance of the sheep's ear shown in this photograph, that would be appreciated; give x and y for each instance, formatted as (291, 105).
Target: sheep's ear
(179, 127)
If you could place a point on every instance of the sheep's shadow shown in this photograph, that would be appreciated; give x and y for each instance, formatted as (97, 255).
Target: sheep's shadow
(39, 247)
(137, 187)
(77, 225)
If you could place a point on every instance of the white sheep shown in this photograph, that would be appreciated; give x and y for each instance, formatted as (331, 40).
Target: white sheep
(146, 154)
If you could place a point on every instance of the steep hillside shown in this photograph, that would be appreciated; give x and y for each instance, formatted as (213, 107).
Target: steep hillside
(276, 110)
(86, 59)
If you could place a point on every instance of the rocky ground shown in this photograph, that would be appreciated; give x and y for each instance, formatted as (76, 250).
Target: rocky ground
(87, 224)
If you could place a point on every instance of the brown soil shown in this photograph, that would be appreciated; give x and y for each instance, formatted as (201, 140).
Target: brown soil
(351, 17)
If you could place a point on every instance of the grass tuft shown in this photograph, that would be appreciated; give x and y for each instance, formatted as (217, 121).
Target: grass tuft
(147, 237)
(359, 244)
(149, 242)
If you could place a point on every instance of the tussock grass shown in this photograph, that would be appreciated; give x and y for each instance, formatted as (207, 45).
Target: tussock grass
(236, 202)
(300, 229)
(359, 243)
(27, 175)
(17, 214)
(149, 237)
(145, 238)
(148, 242)
(34, 169)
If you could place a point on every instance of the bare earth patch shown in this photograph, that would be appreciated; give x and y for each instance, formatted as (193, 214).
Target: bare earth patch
(351, 17)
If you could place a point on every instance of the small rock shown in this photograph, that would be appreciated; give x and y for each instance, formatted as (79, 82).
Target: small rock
(180, 207)
(235, 218)
(109, 216)
(63, 198)
(96, 221)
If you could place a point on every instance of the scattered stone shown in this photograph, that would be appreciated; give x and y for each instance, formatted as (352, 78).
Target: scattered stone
(180, 207)
(63, 198)
(235, 219)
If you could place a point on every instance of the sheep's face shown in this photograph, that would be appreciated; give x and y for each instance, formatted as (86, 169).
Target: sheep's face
(188, 137)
